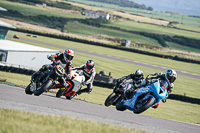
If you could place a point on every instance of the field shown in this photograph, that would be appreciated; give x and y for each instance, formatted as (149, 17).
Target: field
(91, 32)
(39, 10)
(79, 28)
(135, 26)
(149, 14)
(120, 54)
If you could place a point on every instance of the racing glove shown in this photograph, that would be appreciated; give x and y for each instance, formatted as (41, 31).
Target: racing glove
(67, 76)
(83, 83)
(50, 57)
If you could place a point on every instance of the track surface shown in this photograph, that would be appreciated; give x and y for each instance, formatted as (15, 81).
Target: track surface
(15, 98)
(197, 76)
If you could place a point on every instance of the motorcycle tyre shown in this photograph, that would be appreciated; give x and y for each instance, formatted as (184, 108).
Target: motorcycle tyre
(43, 88)
(120, 106)
(69, 98)
(59, 93)
(27, 90)
(110, 99)
(148, 104)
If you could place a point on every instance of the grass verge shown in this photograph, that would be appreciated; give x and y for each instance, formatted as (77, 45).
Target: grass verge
(23, 122)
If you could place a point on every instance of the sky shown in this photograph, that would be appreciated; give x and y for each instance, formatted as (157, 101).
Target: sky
(187, 7)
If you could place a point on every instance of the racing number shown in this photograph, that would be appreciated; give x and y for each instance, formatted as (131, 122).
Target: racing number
(60, 69)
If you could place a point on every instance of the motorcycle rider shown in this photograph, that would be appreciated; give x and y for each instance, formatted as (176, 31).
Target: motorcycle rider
(137, 81)
(65, 60)
(89, 73)
(166, 82)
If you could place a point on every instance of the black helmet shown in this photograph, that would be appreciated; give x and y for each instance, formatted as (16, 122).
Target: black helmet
(171, 75)
(138, 74)
(68, 54)
(90, 65)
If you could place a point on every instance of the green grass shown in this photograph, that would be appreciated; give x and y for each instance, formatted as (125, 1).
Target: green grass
(78, 28)
(182, 48)
(174, 110)
(177, 65)
(23, 122)
(193, 28)
(135, 26)
(38, 10)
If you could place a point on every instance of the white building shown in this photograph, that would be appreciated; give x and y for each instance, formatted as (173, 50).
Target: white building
(20, 54)
(96, 14)
(24, 55)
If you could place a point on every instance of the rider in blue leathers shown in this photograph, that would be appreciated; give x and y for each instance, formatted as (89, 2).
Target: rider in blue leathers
(166, 81)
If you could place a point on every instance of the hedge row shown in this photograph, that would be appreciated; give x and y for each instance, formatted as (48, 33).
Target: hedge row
(16, 70)
(100, 84)
(108, 46)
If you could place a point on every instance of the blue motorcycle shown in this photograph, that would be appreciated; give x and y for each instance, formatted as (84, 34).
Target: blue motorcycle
(144, 98)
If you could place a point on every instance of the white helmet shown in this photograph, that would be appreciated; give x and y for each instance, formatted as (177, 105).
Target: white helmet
(68, 54)
(171, 75)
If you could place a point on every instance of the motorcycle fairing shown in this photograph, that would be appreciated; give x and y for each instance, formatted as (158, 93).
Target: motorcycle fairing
(153, 90)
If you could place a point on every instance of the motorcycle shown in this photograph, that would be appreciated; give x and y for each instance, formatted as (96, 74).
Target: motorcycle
(74, 85)
(118, 93)
(144, 98)
(46, 80)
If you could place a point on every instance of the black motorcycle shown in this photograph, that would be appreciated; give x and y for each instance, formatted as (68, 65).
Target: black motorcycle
(118, 93)
(46, 80)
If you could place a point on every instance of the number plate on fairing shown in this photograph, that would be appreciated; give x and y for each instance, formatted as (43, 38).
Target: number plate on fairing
(60, 69)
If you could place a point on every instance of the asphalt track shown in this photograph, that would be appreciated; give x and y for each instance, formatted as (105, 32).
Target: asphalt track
(13, 97)
(158, 68)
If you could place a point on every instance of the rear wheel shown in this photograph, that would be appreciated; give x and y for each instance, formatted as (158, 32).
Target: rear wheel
(28, 89)
(43, 88)
(59, 93)
(111, 99)
(141, 107)
(69, 98)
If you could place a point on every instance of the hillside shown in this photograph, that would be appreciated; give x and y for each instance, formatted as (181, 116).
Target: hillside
(146, 34)
(183, 6)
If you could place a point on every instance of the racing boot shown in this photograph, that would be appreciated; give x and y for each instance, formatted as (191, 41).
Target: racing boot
(155, 106)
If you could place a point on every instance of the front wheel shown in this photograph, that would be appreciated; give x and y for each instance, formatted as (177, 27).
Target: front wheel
(141, 107)
(28, 89)
(111, 99)
(43, 88)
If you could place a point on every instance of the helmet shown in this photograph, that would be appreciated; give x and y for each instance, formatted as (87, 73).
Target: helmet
(138, 74)
(68, 54)
(171, 75)
(90, 65)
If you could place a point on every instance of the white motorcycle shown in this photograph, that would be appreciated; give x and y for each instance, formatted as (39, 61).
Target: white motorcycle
(75, 84)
